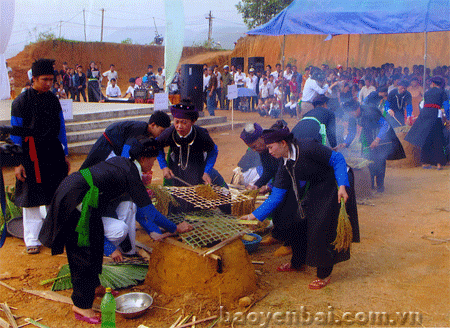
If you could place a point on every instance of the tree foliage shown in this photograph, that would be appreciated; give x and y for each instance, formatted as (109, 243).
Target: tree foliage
(258, 12)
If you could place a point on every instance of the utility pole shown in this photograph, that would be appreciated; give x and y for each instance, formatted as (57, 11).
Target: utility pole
(60, 25)
(103, 15)
(84, 20)
(210, 18)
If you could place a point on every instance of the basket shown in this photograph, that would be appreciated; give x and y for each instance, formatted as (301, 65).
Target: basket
(252, 246)
(15, 227)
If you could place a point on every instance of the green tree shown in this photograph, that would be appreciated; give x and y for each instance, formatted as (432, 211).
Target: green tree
(127, 41)
(257, 12)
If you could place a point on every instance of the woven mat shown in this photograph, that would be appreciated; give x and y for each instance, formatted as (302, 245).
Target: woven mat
(210, 227)
(225, 197)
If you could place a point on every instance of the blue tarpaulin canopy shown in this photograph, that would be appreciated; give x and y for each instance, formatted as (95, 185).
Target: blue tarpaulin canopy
(359, 17)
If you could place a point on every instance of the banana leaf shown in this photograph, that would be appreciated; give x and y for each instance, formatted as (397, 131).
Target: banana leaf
(12, 211)
(114, 275)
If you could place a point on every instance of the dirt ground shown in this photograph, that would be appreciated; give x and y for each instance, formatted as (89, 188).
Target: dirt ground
(392, 270)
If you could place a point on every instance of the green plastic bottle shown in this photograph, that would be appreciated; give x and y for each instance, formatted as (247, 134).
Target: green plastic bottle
(108, 308)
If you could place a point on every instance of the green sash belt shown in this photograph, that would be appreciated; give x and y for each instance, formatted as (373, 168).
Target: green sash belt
(89, 200)
(323, 128)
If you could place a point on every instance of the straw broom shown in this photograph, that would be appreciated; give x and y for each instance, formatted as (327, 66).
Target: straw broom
(344, 233)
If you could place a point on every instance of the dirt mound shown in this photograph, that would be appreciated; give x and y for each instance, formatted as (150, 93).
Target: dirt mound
(176, 271)
(130, 60)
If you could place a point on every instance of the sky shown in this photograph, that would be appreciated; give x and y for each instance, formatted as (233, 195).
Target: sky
(65, 18)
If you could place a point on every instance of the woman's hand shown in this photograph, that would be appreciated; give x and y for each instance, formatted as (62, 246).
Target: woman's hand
(375, 143)
(342, 193)
(159, 237)
(251, 187)
(248, 217)
(20, 173)
(168, 174)
(207, 178)
(184, 227)
(117, 256)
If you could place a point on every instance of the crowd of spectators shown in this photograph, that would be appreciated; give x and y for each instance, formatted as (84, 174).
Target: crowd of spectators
(273, 89)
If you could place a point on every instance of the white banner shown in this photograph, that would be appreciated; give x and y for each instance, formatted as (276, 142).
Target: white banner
(6, 25)
(67, 108)
(174, 38)
(232, 91)
(161, 101)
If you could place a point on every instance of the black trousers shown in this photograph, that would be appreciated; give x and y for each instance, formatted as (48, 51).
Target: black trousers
(81, 91)
(98, 153)
(378, 167)
(85, 262)
(298, 243)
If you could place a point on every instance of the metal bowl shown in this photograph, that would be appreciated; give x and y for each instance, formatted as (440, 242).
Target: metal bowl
(132, 305)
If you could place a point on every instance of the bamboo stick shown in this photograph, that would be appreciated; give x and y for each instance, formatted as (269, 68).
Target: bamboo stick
(29, 323)
(176, 322)
(222, 244)
(186, 318)
(9, 314)
(189, 324)
(35, 323)
(8, 286)
(4, 323)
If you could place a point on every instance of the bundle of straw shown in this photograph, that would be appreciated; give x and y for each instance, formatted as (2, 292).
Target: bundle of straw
(247, 206)
(344, 233)
(163, 198)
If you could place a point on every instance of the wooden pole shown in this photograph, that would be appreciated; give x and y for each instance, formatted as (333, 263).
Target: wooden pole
(282, 75)
(103, 16)
(425, 61)
(84, 24)
(348, 48)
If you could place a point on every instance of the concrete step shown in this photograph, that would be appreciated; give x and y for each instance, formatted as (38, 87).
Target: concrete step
(84, 146)
(72, 126)
(100, 114)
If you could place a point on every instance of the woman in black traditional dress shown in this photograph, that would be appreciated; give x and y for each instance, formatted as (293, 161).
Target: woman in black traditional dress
(192, 153)
(81, 231)
(306, 186)
(427, 132)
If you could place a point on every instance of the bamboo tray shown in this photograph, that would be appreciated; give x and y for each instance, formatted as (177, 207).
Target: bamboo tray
(210, 227)
(225, 197)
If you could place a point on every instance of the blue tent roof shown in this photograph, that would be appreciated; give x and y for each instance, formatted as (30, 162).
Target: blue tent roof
(359, 17)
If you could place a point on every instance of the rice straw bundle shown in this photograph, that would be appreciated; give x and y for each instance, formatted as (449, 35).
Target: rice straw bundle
(206, 191)
(163, 198)
(247, 206)
(344, 233)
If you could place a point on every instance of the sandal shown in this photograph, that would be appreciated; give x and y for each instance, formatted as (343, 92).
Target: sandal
(91, 320)
(33, 250)
(319, 283)
(287, 267)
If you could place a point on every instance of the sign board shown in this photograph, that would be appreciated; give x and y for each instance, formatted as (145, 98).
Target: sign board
(67, 105)
(232, 91)
(161, 101)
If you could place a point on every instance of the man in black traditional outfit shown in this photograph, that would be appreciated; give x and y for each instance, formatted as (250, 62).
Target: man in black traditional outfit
(44, 164)
(251, 135)
(192, 152)
(399, 103)
(115, 137)
(81, 230)
(310, 183)
(427, 132)
(319, 123)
